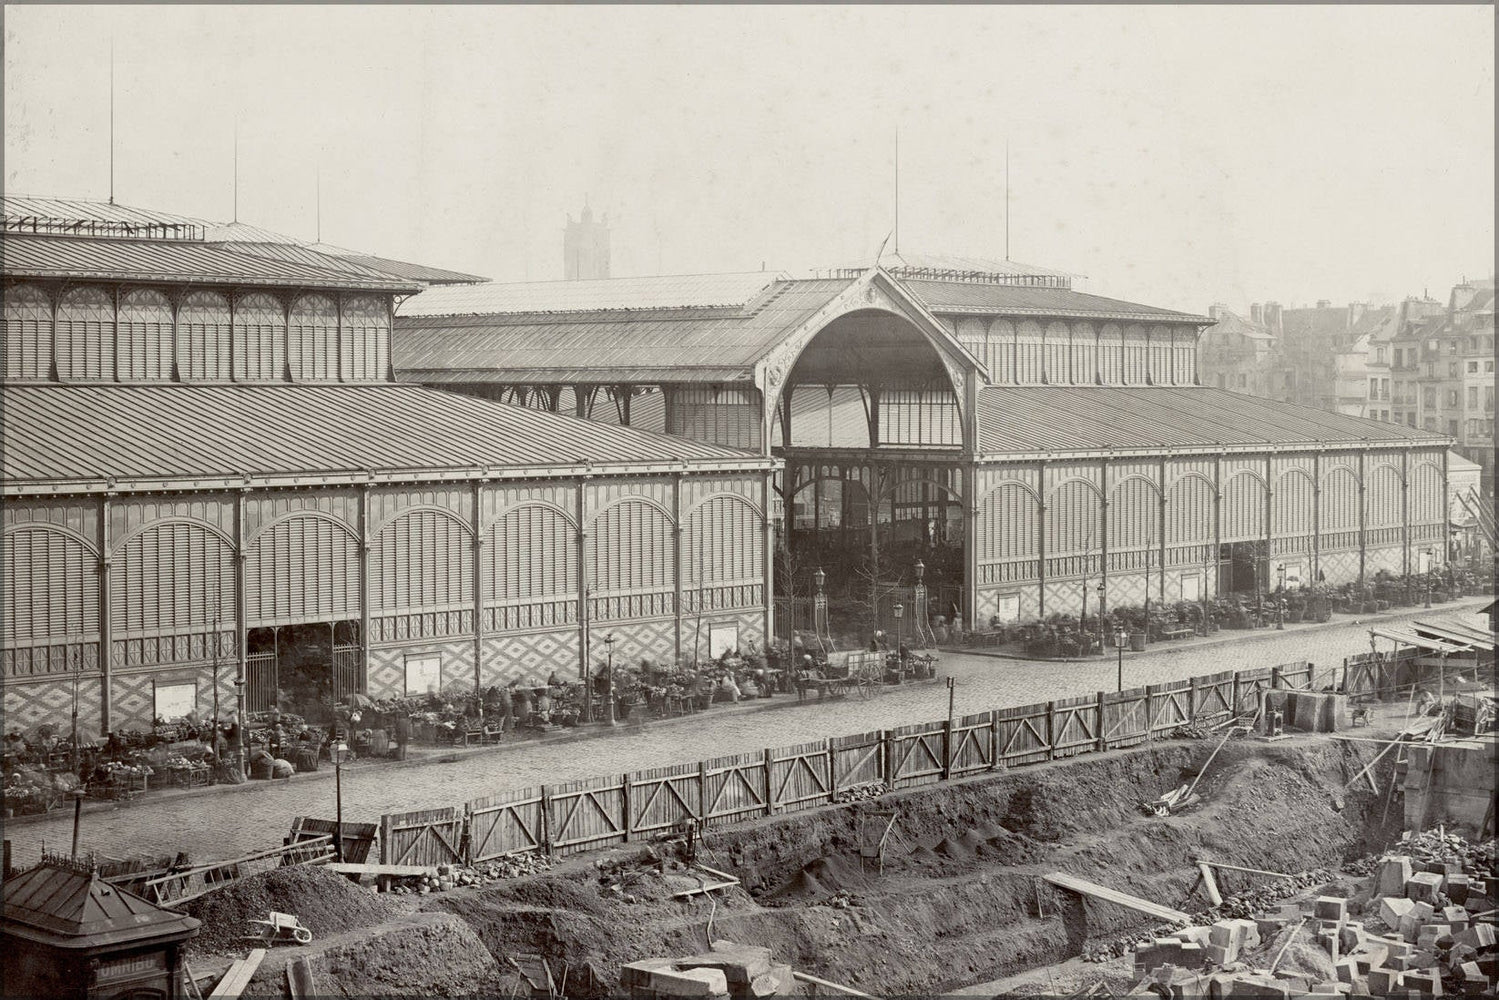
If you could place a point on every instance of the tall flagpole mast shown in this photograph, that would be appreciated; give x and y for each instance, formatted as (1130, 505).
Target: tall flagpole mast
(897, 191)
(236, 170)
(111, 121)
(1007, 199)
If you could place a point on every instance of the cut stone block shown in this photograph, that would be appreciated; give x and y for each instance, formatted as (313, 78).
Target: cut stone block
(1330, 908)
(1477, 936)
(1195, 935)
(1385, 982)
(1424, 886)
(1454, 916)
(777, 982)
(1371, 954)
(1259, 988)
(690, 983)
(1352, 935)
(1428, 981)
(1425, 910)
(1458, 887)
(1393, 874)
(1347, 970)
(1221, 955)
(1392, 908)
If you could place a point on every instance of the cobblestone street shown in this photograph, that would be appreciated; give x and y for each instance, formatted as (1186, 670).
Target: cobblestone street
(225, 822)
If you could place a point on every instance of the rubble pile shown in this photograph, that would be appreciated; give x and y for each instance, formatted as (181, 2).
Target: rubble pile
(1257, 900)
(1422, 924)
(867, 790)
(485, 873)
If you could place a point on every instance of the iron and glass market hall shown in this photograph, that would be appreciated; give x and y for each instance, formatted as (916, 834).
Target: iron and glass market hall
(235, 465)
(214, 488)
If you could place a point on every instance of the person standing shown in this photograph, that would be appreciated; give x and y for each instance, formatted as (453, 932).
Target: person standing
(403, 733)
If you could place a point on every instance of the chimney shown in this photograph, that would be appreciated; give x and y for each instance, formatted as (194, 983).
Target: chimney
(1356, 312)
(1324, 303)
(1272, 319)
(1216, 311)
(1256, 314)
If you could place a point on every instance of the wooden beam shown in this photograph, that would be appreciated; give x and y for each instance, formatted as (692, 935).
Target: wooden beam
(807, 977)
(239, 975)
(1082, 886)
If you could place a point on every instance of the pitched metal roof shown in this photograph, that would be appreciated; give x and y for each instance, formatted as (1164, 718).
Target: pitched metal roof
(986, 298)
(187, 435)
(176, 261)
(304, 255)
(68, 908)
(604, 294)
(416, 272)
(53, 214)
(1037, 419)
(683, 344)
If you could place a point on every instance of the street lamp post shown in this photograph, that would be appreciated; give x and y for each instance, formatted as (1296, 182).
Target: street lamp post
(609, 678)
(1427, 575)
(340, 750)
(1119, 638)
(1280, 603)
(1102, 610)
(900, 612)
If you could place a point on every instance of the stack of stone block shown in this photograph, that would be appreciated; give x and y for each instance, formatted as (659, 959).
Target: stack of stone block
(727, 970)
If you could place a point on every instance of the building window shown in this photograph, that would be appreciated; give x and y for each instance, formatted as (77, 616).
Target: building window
(1374, 388)
(1243, 380)
(1472, 397)
(1452, 399)
(1452, 370)
(86, 335)
(1452, 428)
(1451, 347)
(1430, 398)
(1488, 366)
(1473, 367)
(1410, 419)
(1379, 354)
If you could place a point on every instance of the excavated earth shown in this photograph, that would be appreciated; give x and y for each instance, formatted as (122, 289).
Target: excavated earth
(960, 900)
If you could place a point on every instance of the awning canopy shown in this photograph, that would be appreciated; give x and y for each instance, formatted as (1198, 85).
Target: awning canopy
(1412, 639)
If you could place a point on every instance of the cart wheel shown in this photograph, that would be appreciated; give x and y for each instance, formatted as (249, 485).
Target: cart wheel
(302, 934)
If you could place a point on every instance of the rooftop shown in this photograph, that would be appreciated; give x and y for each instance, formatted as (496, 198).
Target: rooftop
(685, 291)
(68, 907)
(1031, 419)
(63, 438)
(176, 262)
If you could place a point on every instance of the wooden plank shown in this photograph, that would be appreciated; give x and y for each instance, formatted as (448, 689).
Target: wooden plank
(395, 871)
(807, 977)
(1079, 885)
(239, 975)
(299, 980)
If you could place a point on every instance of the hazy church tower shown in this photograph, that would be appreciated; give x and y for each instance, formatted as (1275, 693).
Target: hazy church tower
(585, 246)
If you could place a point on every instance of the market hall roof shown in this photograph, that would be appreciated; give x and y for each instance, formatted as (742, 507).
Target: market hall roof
(64, 217)
(173, 262)
(82, 438)
(698, 328)
(686, 328)
(1031, 420)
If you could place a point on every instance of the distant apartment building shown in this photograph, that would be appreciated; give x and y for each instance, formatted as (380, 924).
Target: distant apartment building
(1238, 353)
(1446, 358)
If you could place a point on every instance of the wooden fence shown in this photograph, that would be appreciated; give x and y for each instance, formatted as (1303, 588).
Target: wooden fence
(620, 808)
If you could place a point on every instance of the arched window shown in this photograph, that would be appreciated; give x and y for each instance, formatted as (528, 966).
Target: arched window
(203, 338)
(1028, 361)
(1002, 352)
(1058, 349)
(28, 332)
(145, 336)
(259, 338)
(86, 335)
(365, 339)
(1084, 354)
(1136, 363)
(1111, 355)
(313, 339)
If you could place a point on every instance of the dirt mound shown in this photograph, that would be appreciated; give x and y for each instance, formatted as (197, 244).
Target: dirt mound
(801, 886)
(954, 848)
(430, 954)
(325, 903)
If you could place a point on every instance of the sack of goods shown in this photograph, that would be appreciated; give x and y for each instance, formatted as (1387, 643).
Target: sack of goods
(282, 769)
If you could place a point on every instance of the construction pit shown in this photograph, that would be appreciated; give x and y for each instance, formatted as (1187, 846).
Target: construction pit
(959, 901)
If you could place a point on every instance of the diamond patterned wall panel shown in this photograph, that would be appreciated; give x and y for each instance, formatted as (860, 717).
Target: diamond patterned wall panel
(1387, 559)
(50, 701)
(1339, 567)
(530, 657)
(1063, 597)
(633, 640)
(388, 663)
(1126, 590)
(133, 701)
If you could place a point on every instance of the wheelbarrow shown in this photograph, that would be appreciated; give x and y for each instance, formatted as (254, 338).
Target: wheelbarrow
(279, 928)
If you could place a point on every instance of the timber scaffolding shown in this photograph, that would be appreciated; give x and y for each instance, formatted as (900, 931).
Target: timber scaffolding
(663, 802)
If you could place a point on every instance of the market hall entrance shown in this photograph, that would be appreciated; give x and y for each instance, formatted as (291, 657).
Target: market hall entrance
(304, 669)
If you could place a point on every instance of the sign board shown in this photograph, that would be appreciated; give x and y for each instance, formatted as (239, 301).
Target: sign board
(1009, 607)
(722, 639)
(173, 701)
(1294, 576)
(1191, 587)
(423, 674)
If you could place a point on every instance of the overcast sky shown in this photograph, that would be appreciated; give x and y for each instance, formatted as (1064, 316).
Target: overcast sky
(1175, 156)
